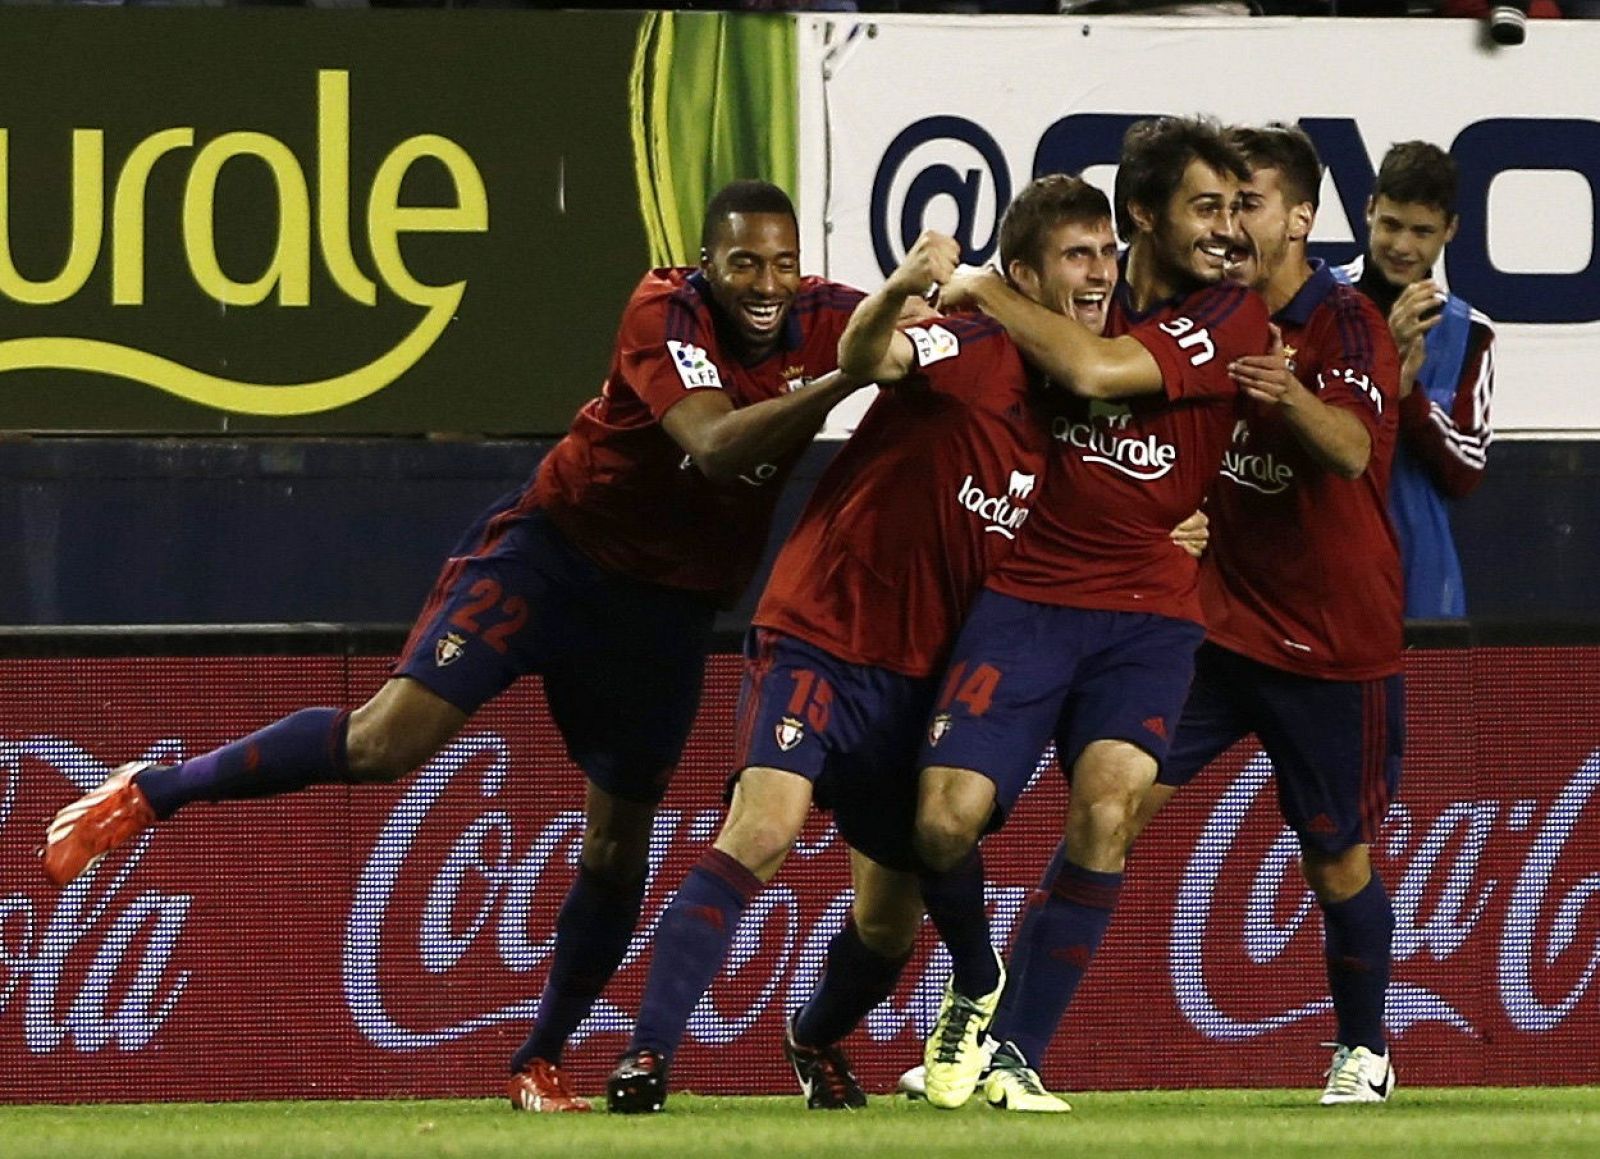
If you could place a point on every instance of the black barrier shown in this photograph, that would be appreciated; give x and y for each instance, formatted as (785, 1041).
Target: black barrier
(188, 530)
(387, 639)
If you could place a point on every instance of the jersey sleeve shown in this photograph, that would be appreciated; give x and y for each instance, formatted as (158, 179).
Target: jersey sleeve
(827, 306)
(1359, 368)
(1453, 443)
(1194, 345)
(666, 351)
(955, 355)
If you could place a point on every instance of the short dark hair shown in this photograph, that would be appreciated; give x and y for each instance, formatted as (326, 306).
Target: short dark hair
(1041, 205)
(1155, 153)
(1288, 149)
(744, 196)
(1417, 172)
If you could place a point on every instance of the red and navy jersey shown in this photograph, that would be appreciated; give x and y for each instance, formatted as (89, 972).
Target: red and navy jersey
(625, 493)
(1123, 475)
(927, 495)
(1303, 572)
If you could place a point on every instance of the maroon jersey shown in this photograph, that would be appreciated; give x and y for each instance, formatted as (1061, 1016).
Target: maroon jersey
(1303, 572)
(625, 493)
(928, 493)
(1125, 474)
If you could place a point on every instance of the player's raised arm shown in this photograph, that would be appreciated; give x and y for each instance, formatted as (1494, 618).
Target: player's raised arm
(1087, 365)
(1449, 438)
(1336, 438)
(871, 348)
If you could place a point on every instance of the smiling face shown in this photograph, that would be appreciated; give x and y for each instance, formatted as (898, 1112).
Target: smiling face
(1405, 238)
(1196, 229)
(1076, 273)
(1268, 225)
(753, 268)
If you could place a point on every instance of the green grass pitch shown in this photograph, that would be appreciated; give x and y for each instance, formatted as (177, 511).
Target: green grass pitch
(1542, 1122)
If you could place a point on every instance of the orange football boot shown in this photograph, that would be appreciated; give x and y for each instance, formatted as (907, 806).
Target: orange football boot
(95, 824)
(540, 1087)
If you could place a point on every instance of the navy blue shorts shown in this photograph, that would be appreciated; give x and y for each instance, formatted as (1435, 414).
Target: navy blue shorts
(1334, 744)
(1024, 673)
(622, 660)
(850, 729)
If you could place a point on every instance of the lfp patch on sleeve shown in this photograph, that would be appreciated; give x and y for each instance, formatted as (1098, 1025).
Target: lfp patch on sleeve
(696, 370)
(933, 344)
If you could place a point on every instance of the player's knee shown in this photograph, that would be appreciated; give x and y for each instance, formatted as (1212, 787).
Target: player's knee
(888, 916)
(944, 839)
(1104, 828)
(760, 844)
(375, 755)
(1336, 877)
(616, 837)
(621, 864)
(888, 933)
(397, 730)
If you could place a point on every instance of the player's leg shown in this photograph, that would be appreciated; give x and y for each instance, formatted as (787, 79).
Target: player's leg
(864, 962)
(768, 810)
(1335, 748)
(460, 654)
(955, 806)
(1213, 720)
(1108, 779)
(623, 689)
(789, 705)
(872, 791)
(997, 705)
(1358, 931)
(914, 1082)
(876, 943)
(383, 740)
(594, 928)
(1114, 730)
(1008, 1081)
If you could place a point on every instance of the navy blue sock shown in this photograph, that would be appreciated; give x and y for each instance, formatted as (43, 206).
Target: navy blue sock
(690, 944)
(304, 748)
(1065, 933)
(593, 930)
(956, 907)
(1357, 934)
(855, 979)
(1016, 967)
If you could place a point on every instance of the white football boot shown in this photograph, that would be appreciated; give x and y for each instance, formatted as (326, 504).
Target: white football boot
(1357, 1076)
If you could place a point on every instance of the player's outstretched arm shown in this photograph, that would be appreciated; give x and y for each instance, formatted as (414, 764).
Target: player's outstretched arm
(1334, 437)
(725, 442)
(871, 348)
(1084, 363)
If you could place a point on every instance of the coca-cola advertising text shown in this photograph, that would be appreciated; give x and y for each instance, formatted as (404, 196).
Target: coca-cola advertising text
(370, 941)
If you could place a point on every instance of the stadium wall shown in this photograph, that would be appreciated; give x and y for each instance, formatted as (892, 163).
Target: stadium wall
(178, 531)
(391, 941)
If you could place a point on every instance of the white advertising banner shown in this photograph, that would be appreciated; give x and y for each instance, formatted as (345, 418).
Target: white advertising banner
(908, 123)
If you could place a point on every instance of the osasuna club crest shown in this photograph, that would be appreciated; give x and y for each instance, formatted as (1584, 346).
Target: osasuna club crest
(449, 648)
(937, 729)
(789, 732)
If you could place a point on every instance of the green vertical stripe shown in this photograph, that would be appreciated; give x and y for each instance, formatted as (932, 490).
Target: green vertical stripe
(713, 98)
